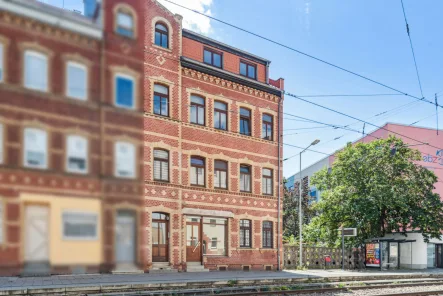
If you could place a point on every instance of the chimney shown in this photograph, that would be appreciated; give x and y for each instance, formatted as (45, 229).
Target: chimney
(90, 8)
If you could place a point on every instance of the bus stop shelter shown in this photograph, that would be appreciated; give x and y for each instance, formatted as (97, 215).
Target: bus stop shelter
(384, 253)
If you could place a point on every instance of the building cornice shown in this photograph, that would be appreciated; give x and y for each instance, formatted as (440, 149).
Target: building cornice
(229, 80)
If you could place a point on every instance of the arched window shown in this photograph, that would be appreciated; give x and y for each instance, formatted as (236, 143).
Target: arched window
(161, 165)
(161, 35)
(125, 23)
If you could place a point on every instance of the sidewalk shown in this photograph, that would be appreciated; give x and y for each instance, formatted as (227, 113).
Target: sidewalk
(99, 281)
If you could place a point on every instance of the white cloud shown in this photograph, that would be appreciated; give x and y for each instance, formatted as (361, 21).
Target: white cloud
(192, 20)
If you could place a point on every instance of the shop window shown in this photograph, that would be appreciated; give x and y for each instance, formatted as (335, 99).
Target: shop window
(197, 110)
(124, 160)
(80, 226)
(245, 233)
(245, 121)
(220, 174)
(125, 24)
(77, 154)
(36, 71)
(248, 70)
(124, 91)
(220, 115)
(212, 57)
(267, 181)
(214, 235)
(267, 234)
(161, 35)
(197, 171)
(245, 178)
(267, 127)
(76, 81)
(161, 165)
(161, 100)
(35, 148)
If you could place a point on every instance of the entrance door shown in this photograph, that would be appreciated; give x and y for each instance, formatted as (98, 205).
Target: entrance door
(160, 237)
(439, 254)
(36, 234)
(193, 239)
(125, 237)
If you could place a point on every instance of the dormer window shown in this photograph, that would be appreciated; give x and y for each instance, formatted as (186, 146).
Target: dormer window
(248, 70)
(161, 35)
(125, 24)
(212, 57)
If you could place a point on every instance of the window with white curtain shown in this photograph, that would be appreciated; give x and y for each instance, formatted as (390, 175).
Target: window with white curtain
(197, 171)
(36, 70)
(267, 181)
(77, 154)
(35, 148)
(161, 165)
(124, 160)
(76, 81)
(220, 174)
(245, 178)
(80, 225)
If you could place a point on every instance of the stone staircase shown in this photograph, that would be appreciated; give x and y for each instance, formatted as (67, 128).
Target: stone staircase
(195, 267)
(126, 268)
(162, 267)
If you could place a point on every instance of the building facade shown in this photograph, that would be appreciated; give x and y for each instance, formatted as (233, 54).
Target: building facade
(211, 151)
(71, 138)
(416, 254)
(128, 143)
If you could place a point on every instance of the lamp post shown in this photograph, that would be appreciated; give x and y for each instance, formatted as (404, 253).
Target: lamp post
(300, 213)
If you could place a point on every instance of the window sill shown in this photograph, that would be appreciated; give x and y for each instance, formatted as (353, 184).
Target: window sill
(162, 48)
(162, 181)
(246, 249)
(268, 249)
(199, 186)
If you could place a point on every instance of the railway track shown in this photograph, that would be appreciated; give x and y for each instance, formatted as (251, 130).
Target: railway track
(347, 289)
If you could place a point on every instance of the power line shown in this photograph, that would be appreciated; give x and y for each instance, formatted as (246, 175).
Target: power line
(412, 47)
(355, 118)
(349, 95)
(305, 54)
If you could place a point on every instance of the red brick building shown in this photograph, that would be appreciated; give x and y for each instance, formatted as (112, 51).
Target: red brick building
(71, 128)
(129, 143)
(211, 131)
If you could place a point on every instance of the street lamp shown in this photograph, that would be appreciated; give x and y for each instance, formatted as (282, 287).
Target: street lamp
(300, 206)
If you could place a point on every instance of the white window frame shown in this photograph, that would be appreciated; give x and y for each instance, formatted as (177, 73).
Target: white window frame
(134, 170)
(38, 55)
(69, 150)
(25, 148)
(79, 66)
(80, 238)
(2, 62)
(129, 77)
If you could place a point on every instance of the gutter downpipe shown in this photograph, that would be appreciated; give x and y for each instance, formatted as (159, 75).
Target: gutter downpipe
(279, 183)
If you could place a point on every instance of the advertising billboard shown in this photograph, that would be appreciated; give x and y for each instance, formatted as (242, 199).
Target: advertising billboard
(373, 255)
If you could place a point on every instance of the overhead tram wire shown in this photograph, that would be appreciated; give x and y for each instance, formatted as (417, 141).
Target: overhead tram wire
(305, 54)
(412, 48)
(361, 120)
(292, 95)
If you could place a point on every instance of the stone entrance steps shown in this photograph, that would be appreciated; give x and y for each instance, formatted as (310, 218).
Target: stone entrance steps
(162, 267)
(195, 267)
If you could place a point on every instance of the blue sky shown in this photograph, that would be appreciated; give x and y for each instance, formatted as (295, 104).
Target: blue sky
(368, 37)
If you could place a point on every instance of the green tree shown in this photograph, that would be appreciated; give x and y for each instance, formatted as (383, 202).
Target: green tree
(378, 188)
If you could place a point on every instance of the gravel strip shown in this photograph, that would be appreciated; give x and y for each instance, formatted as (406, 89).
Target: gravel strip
(374, 292)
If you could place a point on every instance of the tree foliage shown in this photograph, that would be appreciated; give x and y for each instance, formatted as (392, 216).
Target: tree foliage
(376, 191)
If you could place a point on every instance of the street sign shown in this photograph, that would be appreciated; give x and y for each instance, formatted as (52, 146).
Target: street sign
(350, 232)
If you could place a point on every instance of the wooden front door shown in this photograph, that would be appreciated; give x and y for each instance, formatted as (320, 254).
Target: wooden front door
(160, 237)
(193, 239)
(36, 233)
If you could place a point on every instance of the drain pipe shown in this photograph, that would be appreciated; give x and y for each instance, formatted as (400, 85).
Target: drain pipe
(279, 182)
